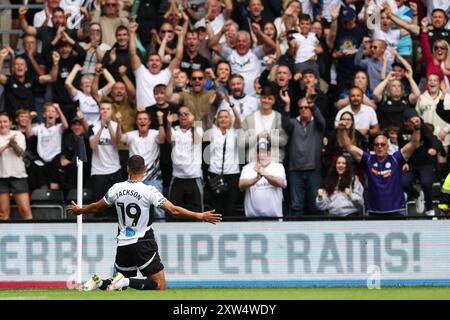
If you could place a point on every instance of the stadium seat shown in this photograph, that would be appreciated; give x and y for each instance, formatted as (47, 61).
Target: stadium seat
(47, 204)
(72, 196)
(436, 190)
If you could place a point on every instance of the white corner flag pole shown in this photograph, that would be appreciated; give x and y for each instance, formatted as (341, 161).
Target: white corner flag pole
(79, 220)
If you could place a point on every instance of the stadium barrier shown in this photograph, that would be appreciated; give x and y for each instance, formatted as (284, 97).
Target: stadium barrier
(231, 254)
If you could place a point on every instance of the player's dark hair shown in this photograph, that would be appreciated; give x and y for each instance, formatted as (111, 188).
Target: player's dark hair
(121, 28)
(58, 9)
(136, 164)
(236, 75)
(304, 17)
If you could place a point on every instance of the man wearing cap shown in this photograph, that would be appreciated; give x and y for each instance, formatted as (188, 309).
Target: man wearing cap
(422, 162)
(384, 171)
(348, 38)
(263, 181)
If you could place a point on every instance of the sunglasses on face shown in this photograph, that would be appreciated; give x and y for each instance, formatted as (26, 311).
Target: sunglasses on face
(380, 144)
(110, 4)
(440, 47)
(303, 108)
(165, 31)
(197, 78)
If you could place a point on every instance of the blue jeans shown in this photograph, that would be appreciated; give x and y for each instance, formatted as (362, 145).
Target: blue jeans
(304, 183)
(160, 214)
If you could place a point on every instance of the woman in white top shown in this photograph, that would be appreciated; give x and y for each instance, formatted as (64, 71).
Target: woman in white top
(224, 161)
(13, 176)
(88, 105)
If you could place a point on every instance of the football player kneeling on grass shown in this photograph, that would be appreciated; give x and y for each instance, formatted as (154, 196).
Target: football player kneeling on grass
(136, 245)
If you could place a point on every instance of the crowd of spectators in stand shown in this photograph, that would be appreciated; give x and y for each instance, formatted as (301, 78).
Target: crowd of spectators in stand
(282, 108)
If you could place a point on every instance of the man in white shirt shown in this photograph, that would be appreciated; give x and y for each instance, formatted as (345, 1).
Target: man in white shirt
(186, 188)
(103, 140)
(244, 61)
(145, 142)
(366, 121)
(148, 77)
(246, 104)
(263, 181)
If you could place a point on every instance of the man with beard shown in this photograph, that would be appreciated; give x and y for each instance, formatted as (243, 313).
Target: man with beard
(245, 104)
(366, 121)
(200, 102)
(45, 33)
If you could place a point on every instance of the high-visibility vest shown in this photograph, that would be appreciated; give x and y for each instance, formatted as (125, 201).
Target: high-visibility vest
(445, 190)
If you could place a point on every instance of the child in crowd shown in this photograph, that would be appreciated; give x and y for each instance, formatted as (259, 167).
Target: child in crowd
(308, 46)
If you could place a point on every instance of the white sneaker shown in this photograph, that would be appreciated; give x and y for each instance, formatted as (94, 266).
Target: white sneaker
(92, 284)
(420, 203)
(430, 213)
(118, 283)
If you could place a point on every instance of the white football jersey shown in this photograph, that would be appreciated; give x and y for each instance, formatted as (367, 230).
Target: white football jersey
(133, 201)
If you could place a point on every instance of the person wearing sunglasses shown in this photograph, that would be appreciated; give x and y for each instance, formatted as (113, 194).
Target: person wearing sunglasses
(436, 58)
(384, 171)
(95, 49)
(110, 19)
(305, 136)
(201, 102)
(374, 63)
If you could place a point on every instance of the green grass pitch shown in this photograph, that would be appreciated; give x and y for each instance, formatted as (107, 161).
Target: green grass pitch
(315, 293)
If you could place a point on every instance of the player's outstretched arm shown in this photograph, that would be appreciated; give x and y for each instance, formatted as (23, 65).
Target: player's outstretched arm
(207, 216)
(91, 208)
